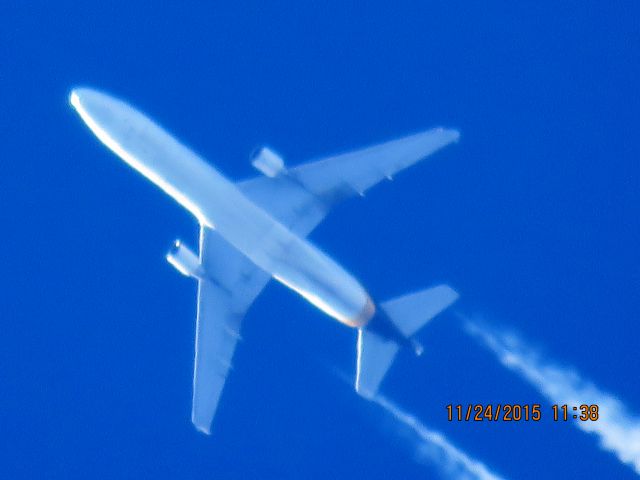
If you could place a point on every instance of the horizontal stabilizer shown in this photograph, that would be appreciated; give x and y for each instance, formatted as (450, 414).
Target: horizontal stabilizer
(411, 312)
(375, 356)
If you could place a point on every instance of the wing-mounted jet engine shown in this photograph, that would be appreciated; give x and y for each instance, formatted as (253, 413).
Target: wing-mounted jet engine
(184, 260)
(268, 162)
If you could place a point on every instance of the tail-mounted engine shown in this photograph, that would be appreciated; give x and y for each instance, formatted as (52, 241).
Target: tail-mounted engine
(184, 260)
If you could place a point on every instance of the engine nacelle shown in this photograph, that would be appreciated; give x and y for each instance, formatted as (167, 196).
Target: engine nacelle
(184, 260)
(268, 162)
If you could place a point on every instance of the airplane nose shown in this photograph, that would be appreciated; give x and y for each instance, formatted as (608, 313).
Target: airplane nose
(95, 104)
(101, 113)
(80, 96)
(73, 98)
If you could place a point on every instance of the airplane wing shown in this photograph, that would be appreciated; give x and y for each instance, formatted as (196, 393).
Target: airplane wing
(301, 197)
(231, 284)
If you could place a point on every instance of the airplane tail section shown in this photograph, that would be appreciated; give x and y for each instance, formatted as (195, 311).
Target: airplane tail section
(411, 312)
(408, 314)
(375, 356)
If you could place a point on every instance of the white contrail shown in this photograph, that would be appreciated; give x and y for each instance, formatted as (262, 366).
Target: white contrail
(617, 429)
(435, 447)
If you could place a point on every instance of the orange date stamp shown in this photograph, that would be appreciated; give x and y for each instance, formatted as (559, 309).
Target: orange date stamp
(516, 412)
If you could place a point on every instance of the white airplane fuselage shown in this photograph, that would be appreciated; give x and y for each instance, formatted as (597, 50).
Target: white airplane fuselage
(218, 203)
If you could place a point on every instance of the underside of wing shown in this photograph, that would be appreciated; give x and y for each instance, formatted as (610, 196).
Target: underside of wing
(300, 197)
(228, 287)
(216, 337)
(359, 170)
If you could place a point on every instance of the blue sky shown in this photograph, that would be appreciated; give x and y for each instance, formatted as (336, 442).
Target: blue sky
(532, 217)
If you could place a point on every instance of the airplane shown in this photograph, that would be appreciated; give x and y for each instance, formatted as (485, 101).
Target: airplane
(255, 230)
